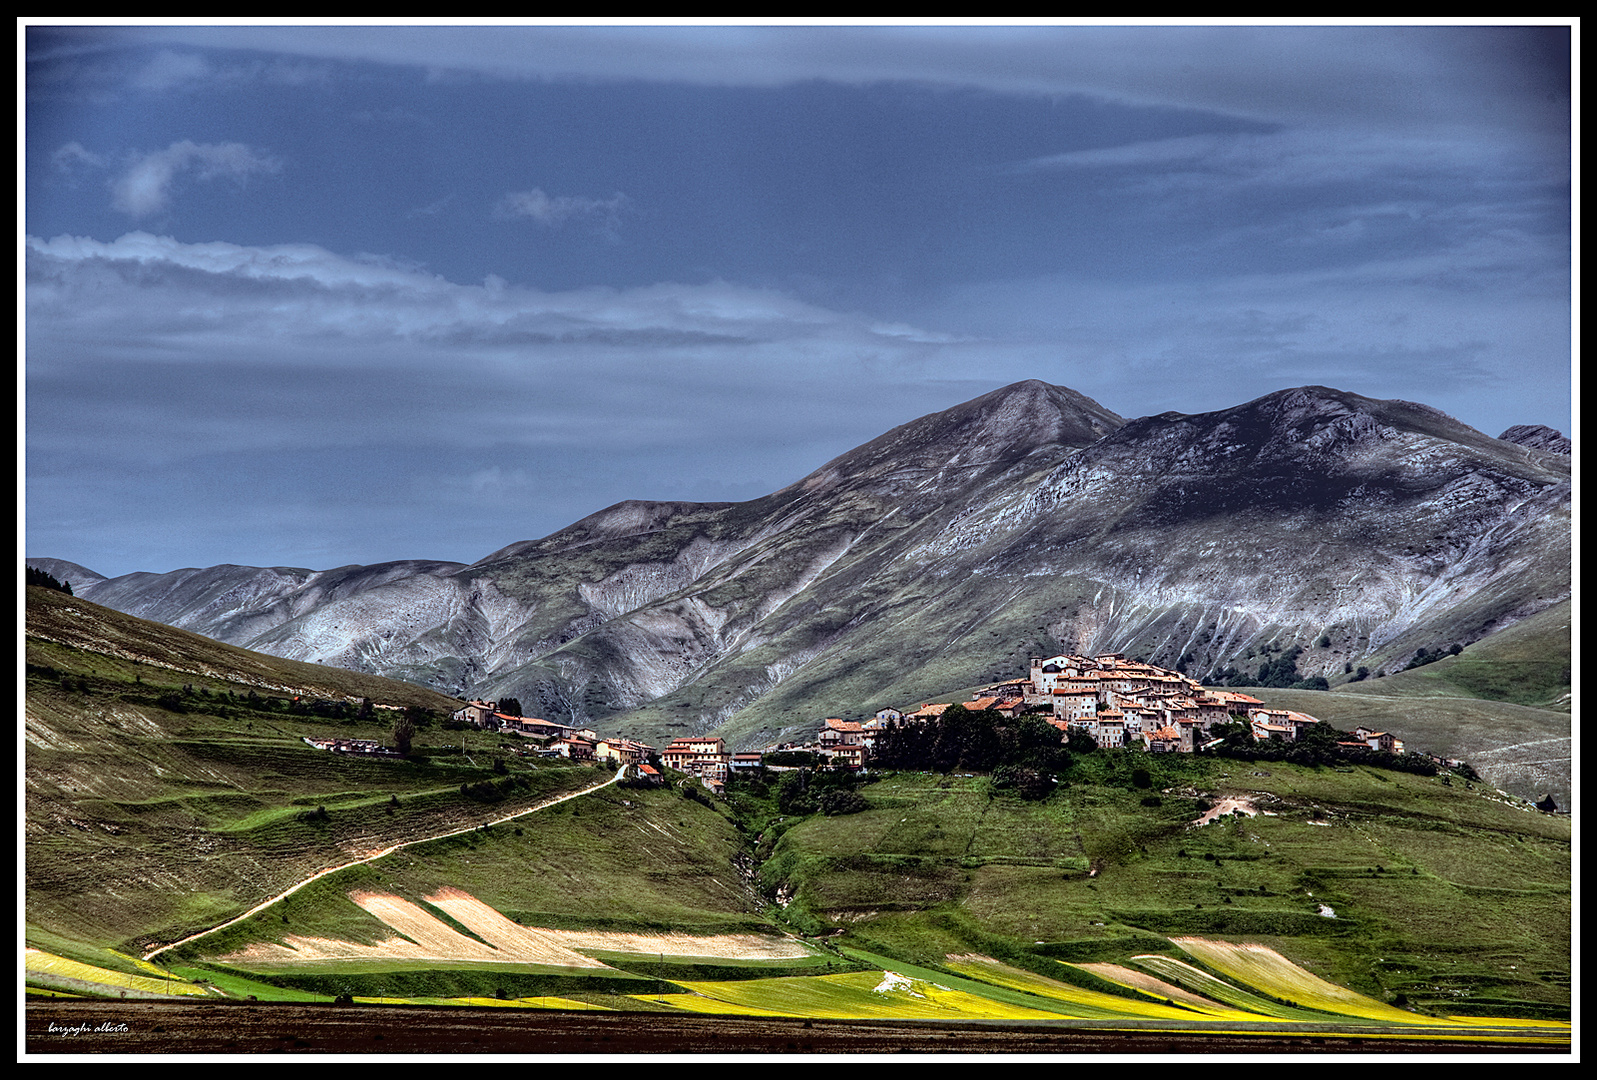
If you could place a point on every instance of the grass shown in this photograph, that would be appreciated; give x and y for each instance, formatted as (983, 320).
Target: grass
(872, 994)
(573, 866)
(154, 810)
(1439, 880)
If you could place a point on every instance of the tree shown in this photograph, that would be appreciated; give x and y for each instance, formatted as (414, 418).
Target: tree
(48, 581)
(510, 706)
(404, 732)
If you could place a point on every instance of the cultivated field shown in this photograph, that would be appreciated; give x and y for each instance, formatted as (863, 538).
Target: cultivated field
(425, 939)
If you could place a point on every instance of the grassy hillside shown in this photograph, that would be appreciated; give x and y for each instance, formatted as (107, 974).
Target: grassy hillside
(124, 644)
(163, 799)
(1524, 751)
(161, 802)
(1528, 663)
(1445, 895)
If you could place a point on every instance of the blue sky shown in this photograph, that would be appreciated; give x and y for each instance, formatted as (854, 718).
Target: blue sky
(313, 296)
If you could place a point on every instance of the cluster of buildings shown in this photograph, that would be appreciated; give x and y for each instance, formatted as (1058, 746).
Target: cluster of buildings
(1115, 701)
(351, 746)
(552, 739)
(1112, 700)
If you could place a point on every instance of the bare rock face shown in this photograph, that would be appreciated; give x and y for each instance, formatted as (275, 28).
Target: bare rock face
(946, 552)
(1538, 437)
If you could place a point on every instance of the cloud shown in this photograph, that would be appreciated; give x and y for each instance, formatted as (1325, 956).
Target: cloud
(146, 186)
(553, 211)
(195, 299)
(1507, 76)
(167, 70)
(73, 157)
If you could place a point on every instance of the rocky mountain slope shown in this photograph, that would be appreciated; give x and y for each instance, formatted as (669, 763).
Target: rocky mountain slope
(943, 554)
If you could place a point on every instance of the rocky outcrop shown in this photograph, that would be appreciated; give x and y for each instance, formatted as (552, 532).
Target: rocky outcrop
(1538, 437)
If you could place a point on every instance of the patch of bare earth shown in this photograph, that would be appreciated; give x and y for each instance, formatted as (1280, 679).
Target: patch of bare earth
(1148, 984)
(1227, 805)
(715, 946)
(433, 941)
(514, 941)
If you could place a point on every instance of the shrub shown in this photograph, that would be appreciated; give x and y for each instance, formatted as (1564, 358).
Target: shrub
(835, 803)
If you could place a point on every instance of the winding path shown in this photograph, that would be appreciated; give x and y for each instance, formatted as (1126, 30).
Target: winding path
(374, 856)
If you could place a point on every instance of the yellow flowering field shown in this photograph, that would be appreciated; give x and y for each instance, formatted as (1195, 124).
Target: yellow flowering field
(43, 963)
(508, 1003)
(1077, 1002)
(873, 995)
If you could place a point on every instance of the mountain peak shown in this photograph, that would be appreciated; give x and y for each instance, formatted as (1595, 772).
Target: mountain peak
(996, 429)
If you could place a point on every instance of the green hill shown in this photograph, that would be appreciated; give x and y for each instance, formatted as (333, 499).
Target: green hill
(1446, 895)
(1527, 663)
(169, 785)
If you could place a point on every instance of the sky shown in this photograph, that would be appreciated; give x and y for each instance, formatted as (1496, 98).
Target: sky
(327, 295)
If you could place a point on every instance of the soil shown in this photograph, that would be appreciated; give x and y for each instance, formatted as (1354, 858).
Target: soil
(69, 1027)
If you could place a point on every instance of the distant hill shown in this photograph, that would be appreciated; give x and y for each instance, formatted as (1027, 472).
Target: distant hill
(82, 625)
(1027, 521)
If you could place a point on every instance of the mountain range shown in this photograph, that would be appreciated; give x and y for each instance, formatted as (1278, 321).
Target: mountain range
(943, 554)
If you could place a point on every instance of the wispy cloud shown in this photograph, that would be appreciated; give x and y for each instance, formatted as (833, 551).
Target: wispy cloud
(146, 186)
(265, 297)
(1498, 75)
(554, 211)
(73, 158)
(167, 70)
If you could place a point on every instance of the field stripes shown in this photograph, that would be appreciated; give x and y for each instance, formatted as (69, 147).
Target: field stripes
(1074, 1001)
(1148, 984)
(37, 962)
(570, 1004)
(1270, 973)
(860, 995)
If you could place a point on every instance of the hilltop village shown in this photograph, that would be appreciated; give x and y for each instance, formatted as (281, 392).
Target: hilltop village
(1116, 702)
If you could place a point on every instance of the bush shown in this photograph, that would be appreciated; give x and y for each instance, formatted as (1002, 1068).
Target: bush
(1024, 781)
(835, 803)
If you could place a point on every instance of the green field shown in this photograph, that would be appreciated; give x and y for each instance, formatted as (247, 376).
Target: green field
(1451, 898)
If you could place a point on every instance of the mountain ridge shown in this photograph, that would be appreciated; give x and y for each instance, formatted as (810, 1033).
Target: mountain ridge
(946, 548)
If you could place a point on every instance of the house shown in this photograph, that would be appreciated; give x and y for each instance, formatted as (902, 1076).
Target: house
(1111, 729)
(621, 751)
(531, 727)
(1165, 740)
(846, 757)
(644, 773)
(704, 756)
(477, 714)
(574, 748)
(841, 733)
(1379, 740)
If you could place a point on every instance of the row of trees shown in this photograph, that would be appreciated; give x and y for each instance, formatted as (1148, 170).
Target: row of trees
(44, 580)
(1317, 744)
(1022, 753)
